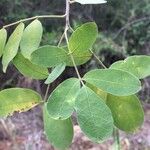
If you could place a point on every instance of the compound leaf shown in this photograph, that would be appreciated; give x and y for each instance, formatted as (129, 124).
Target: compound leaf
(49, 56)
(31, 38)
(17, 100)
(127, 112)
(94, 117)
(137, 65)
(83, 38)
(58, 132)
(116, 82)
(3, 38)
(27, 68)
(12, 46)
(61, 102)
(91, 1)
(56, 72)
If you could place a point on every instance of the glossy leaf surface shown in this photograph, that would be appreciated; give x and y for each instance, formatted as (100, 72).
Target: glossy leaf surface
(12, 46)
(17, 100)
(116, 82)
(27, 68)
(61, 102)
(94, 117)
(58, 132)
(127, 112)
(31, 38)
(137, 65)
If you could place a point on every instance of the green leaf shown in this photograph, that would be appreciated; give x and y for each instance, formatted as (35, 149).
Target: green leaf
(127, 112)
(58, 132)
(56, 72)
(12, 46)
(61, 102)
(80, 58)
(116, 82)
(94, 117)
(91, 1)
(137, 65)
(27, 68)
(17, 100)
(31, 38)
(99, 92)
(49, 56)
(83, 38)
(3, 38)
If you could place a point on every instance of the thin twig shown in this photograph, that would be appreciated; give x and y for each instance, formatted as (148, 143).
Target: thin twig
(32, 18)
(101, 63)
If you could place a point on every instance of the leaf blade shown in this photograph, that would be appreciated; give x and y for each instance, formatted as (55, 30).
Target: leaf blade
(27, 68)
(56, 72)
(91, 1)
(127, 112)
(12, 46)
(94, 117)
(61, 102)
(58, 132)
(116, 82)
(17, 99)
(31, 38)
(3, 38)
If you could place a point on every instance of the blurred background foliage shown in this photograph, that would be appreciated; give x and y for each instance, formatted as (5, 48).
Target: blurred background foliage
(124, 26)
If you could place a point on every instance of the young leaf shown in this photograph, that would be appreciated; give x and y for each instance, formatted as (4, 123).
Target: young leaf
(58, 132)
(83, 38)
(99, 92)
(17, 100)
(116, 82)
(61, 102)
(49, 56)
(137, 65)
(56, 72)
(12, 46)
(3, 38)
(31, 38)
(94, 117)
(91, 1)
(27, 68)
(127, 112)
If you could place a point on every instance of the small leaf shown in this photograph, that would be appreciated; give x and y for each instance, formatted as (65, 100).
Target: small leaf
(12, 46)
(17, 100)
(127, 112)
(56, 72)
(83, 38)
(94, 117)
(99, 92)
(116, 82)
(61, 102)
(3, 38)
(91, 1)
(27, 68)
(31, 38)
(49, 56)
(137, 65)
(58, 132)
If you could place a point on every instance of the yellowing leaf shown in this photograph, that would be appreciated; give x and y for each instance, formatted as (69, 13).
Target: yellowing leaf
(27, 68)
(3, 38)
(12, 46)
(127, 112)
(31, 38)
(17, 100)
